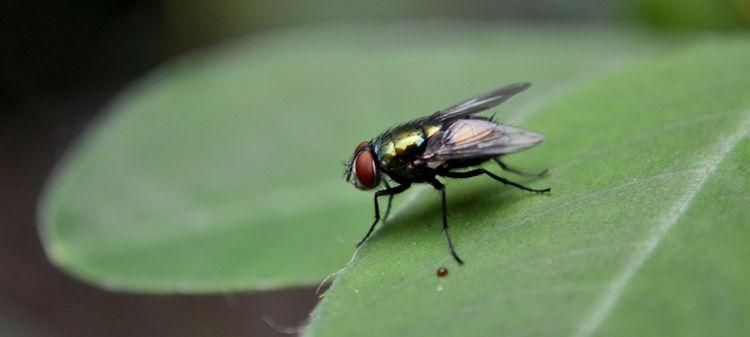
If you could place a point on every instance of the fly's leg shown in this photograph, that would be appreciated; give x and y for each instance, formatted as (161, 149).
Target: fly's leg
(390, 200)
(388, 208)
(389, 192)
(505, 167)
(440, 187)
(476, 172)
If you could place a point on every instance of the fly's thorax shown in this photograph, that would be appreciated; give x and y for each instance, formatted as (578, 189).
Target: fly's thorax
(400, 146)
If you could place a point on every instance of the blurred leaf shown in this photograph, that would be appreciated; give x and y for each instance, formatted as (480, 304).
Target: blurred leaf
(188, 23)
(705, 14)
(223, 170)
(644, 234)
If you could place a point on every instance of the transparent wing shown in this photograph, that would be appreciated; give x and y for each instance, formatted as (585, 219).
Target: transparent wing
(475, 138)
(481, 102)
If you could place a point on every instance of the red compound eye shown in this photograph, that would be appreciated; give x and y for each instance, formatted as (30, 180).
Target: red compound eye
(360, 146)
(365, 170)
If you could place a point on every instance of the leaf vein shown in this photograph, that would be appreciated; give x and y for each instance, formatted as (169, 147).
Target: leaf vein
(613, 292)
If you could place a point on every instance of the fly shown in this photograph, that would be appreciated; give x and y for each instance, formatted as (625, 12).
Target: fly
(450, 143)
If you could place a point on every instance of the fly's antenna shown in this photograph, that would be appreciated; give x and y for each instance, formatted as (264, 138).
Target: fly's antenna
(347, 169)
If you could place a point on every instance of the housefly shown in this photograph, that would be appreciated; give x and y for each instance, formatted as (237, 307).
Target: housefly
(450, 143)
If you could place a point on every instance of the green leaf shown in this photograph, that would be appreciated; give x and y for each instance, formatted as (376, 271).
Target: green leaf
(700, 14)
(222, 170)
(644, 234)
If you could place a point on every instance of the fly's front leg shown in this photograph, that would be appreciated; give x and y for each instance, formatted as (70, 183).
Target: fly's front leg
(389, 192)
(440, 187)
(388, 208)
(390, 200)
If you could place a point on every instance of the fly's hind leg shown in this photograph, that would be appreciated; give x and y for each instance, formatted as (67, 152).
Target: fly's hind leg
(480, 171)
(511, 169)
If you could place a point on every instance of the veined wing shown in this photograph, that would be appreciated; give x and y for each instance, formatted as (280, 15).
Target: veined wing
(476, 138)
(481, 102)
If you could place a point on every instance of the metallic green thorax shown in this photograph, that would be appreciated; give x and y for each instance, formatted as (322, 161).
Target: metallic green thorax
(397, 151)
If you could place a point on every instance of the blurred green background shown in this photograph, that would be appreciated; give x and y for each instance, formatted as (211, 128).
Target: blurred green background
(61, 62)
(57, 48)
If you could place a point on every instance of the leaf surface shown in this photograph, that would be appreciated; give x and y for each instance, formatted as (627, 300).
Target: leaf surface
(644, 232)
(222, 170)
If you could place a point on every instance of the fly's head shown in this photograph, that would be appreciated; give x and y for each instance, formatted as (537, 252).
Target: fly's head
(362, 170)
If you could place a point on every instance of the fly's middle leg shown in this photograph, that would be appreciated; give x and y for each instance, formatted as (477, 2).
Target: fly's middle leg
(440, 187)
